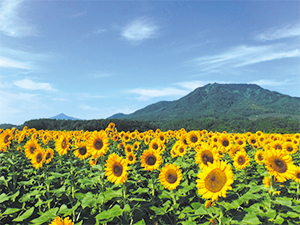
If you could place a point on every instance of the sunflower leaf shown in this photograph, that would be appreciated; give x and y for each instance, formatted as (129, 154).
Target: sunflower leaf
(250, 218)
(11, 211)
(110, 214)
(3, 197)
(50, 214)
(25, 215)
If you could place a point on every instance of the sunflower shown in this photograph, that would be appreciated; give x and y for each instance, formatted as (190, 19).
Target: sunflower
(38, 158)
(290, 148)
(131, 158)
(81, 151)
(116, 169)
(267, 182)
(224, 142)
(279, 164)
(5, 138)
(136, 146)
(170, 176)
(62, 144)
(151, 159)
(241, 160)
(121, 145)
(155, 144)
(60, 221)
(181, 150)
(193, 138)
(111, 126)
(30, 147)
(116, 137)
(206, 154)
(277, 145)
(241, 142)
(97, 144)
(259, 157)
(128, 148)
(215, 180)
(93, 161)
(296, 174)
(126, 137)
(48, 155)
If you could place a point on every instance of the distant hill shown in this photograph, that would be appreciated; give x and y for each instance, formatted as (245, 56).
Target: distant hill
(117, 116)
(63, 117)
(232, 101)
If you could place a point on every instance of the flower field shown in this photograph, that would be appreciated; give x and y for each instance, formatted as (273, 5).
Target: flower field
(154, 177)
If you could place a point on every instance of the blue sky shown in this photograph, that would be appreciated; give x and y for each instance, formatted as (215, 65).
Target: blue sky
(92, 59)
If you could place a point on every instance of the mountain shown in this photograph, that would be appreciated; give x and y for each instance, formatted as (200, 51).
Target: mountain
(63, 117)
(233, 101)
(117, 116)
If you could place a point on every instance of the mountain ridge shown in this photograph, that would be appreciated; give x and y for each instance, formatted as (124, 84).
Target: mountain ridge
(221, 101)
(63, 116)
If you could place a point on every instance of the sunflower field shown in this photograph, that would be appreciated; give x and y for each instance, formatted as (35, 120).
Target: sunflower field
(154, 177)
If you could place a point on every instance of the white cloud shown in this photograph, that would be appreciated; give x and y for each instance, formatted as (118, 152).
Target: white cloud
(242, 56)
(86, 107)
(31, 85)
(11, 63)
(139, 30)
(271, 82)
(10, 22)
(145, 94)
(192, 85)
(280, 33)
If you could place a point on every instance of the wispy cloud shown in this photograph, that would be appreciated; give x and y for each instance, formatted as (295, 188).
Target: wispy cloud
(139, 30)
(192, 85)
(242, 56)
(11, 63)
(145, 94)
(292, 30)
(31, 85)
(10, 22)
(90, 108)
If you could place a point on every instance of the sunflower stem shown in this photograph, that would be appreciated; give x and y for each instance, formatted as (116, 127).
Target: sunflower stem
(124, 203)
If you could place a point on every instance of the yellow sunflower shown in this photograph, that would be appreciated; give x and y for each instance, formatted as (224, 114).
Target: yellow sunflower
(5, 138)
(215, 180)
(290, 148)
(128, 148)
(38, 158)
(241, 160)
(193, 138)
(131, 158)
(48, 155)
(155, 144)
(136, 146)
(206, 154)
(259, 157)
(30, 147)
(181, 150)
(279, 164)
(60, 221)
(224, 142)
(241, 142)
(151, 159)
(81, 151)
(296, 174)
(97, 144)
(62, 144)
(267, 182)
(170, 176)
(116, 169)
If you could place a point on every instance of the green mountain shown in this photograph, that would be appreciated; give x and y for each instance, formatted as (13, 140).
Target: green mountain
(62, 116)
(231, 101)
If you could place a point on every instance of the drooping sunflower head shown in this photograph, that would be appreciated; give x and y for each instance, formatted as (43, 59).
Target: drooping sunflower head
(215, 180)
(279, 164)
(267, 182)
(170, 176)
(151, 159)
(259, 157)
(241, 160)
(97, 144)
(49, 155)
(116, 169)
(136, 146)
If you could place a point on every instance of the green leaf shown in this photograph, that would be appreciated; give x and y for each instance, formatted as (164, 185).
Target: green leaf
(141, 190)
(196, 205)
(13, 197)
(45, 217)
(138, 199)
(251, 218)
(278, 220)
(159, 211)
(110, 214)
(187, 210)
(296, 208)
(141, 222)
(11, 211)
(127, 208)
(109, 194)
(88, 200)
(3, 197)
(25, 215)
(201, 211)
(66, 211)
(283, 201)
(39, 203)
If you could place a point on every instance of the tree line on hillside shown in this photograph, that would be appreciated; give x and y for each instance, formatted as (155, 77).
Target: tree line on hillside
(267, 125)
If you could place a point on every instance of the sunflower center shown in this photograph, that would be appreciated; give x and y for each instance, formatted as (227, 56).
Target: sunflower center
(130, 158)
(240, 142)
(260, 157)
(225, 143)
(194, 139)
(39, 158)
(82, 150)
(64, 144)
(289, 149)
(128, 149)
(207, 157)
(241, 160)
(278, 147)
(98, 144)
(118, 170)
(215, 180)
(150, 160)
(181, 150)
(32, 149)
(253, 141)
(298, 175)
(48, 156)
(185, 142)
(155, 146)
(279, 165)
(6, 139)
(171, 176)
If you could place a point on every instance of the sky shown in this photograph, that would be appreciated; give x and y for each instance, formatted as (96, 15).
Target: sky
(93, 59)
